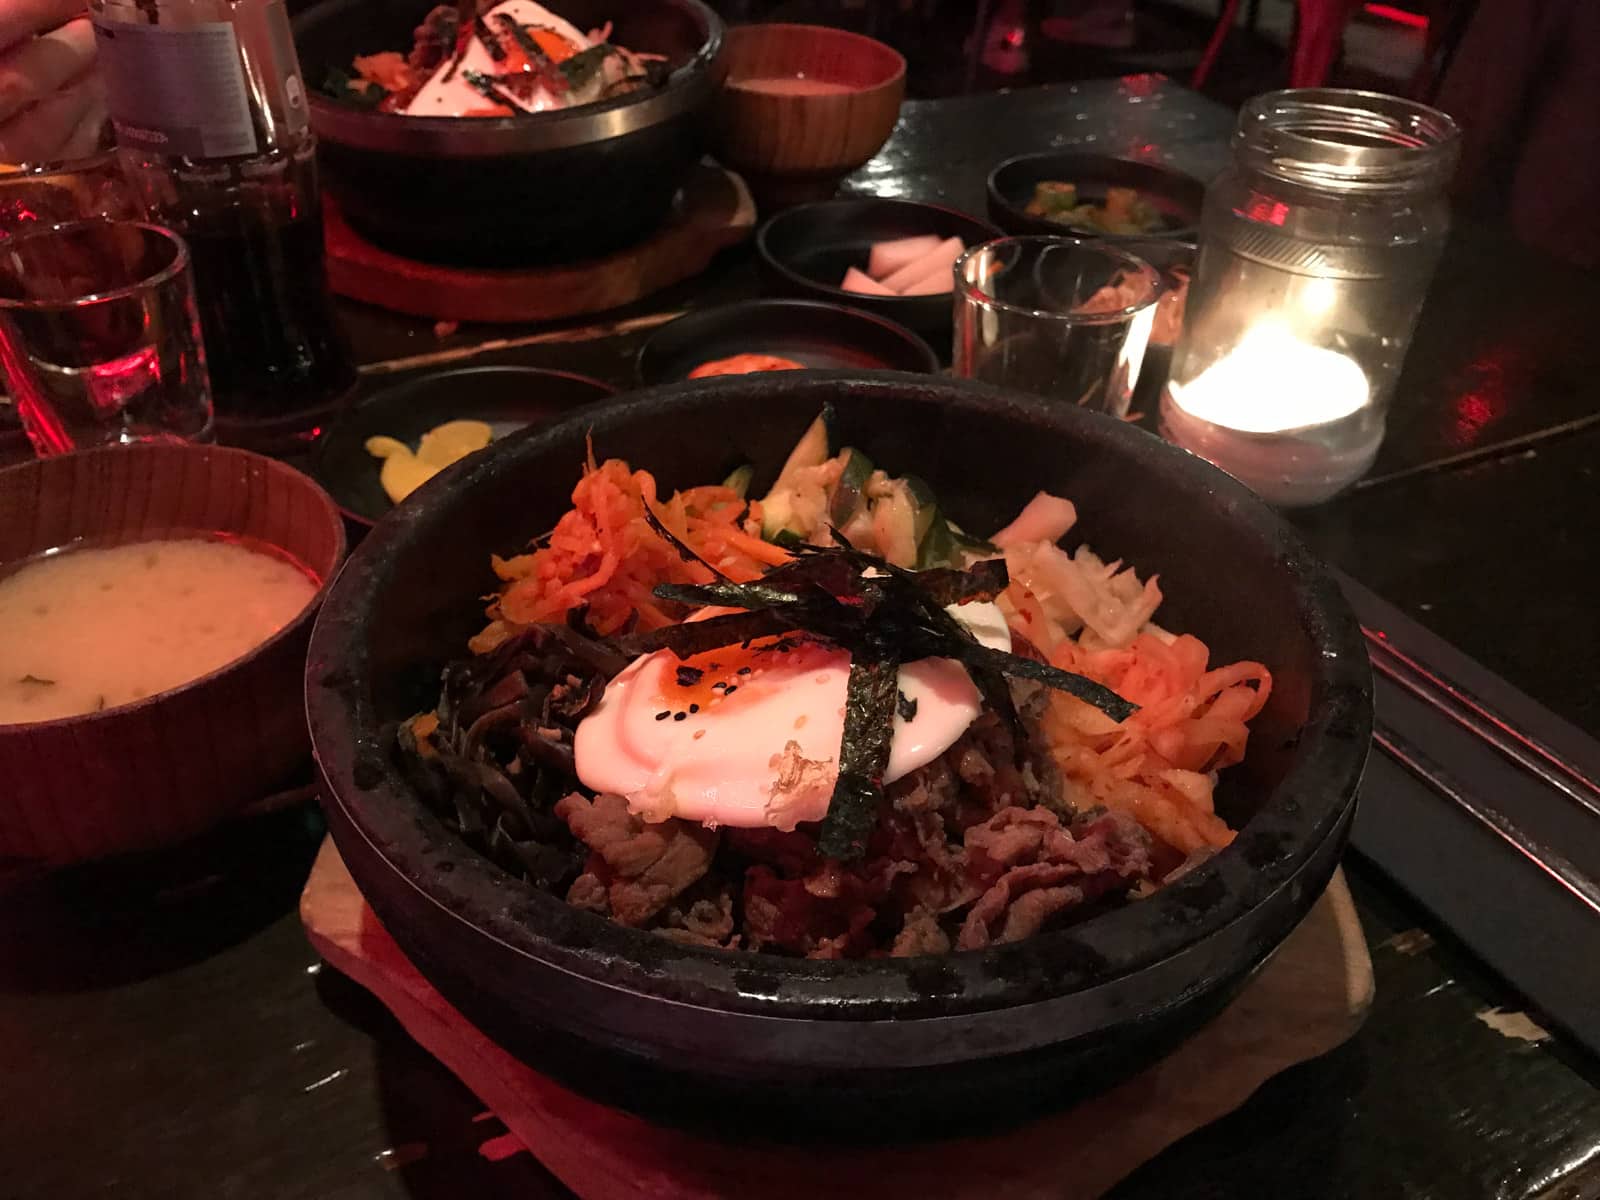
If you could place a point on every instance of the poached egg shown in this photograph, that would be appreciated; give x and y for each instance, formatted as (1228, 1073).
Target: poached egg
(749, 736)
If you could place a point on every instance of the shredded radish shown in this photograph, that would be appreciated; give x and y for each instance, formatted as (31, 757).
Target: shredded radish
(1045, 518)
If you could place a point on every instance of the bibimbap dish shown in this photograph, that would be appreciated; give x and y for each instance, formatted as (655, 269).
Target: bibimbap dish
(930, 758)
(827, 721)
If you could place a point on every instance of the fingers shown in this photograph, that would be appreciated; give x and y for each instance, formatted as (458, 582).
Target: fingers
(88, 136)
(40, 134)
(21, 19)
(33, 69)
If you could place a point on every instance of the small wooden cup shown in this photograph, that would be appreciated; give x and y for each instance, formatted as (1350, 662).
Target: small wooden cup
(155, 771)
(793, 148)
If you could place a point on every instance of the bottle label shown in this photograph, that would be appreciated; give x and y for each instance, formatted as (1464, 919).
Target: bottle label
(178, 91)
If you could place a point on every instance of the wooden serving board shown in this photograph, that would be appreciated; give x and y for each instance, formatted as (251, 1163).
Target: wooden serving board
(713, 211)
(1307, 1000)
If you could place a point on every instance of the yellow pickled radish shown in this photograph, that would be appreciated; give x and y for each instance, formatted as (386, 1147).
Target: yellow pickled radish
(451, 442)
(405, 470)
(385, 447)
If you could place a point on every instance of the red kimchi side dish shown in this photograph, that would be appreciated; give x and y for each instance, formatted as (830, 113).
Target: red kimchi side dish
(828, 722)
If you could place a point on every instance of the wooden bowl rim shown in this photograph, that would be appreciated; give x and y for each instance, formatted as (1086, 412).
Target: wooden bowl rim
(746, 32)
(328, 509)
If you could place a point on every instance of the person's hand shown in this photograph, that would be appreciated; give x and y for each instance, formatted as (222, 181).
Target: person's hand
(52, 102)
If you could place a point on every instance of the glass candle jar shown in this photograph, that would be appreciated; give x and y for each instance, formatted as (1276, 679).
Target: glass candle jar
(1317, 245)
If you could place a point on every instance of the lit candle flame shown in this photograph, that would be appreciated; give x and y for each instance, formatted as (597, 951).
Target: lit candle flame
(1272, 382)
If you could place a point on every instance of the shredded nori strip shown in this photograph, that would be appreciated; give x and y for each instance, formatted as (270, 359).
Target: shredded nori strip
(582, 66)
(982, 581)
(491, 43)
(1097, 694)
(759, 594)
(863, 753)
(684, 550)
(522, 37)
(487, 88)
(694, 637)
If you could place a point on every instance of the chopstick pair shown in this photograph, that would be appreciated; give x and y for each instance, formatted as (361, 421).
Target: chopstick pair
(1513, 743)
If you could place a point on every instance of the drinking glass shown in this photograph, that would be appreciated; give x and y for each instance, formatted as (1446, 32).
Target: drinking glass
(75, 190)
(99, 340)
(1066, 318)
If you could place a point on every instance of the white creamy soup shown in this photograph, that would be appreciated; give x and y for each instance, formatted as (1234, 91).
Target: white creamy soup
(93, 628)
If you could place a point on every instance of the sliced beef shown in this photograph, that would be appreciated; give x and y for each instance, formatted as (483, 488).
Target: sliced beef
(935, 788)
(642, 866)
(707, 921)
(921, 934)
(1019, 904)
(1036, 869)
(824, 915)
(932, 869)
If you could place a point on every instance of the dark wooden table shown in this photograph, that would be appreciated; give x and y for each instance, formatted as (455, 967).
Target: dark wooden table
(166, 1032)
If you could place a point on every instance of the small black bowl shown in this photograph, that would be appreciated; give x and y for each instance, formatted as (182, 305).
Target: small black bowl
(1176, 196)
(806, 251)
(877, 1047)
(807, 331)
(506, 398)
(512, 191)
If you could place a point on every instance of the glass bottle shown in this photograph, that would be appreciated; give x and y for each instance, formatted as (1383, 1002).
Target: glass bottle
(213, 129)
(1317, 245)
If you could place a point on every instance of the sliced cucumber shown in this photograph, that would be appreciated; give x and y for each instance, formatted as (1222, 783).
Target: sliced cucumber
(975, 544)
(923, 505)
(847, 493)
(938, 545)
(894, 526)
(810, 451)
(739, 480)
(777, 506)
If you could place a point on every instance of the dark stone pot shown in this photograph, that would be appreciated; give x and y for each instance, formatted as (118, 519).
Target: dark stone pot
(883, 1048)
(512, 191)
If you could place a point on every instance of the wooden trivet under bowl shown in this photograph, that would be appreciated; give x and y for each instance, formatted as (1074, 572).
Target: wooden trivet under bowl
(1311, 996)
(713, 211)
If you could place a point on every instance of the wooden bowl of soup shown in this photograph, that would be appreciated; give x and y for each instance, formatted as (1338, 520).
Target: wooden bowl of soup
(157, 600)
(802, 106)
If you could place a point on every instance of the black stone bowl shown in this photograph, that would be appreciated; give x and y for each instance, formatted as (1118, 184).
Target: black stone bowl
(1176, 196)
(512, 191)
(504, 398)
(808, 332)
(886, 1048)
(806, 250)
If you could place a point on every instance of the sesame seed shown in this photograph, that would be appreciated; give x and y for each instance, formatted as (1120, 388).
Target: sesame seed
(698, 734)
(744, 670)
(663, 715)
(679, 716)
(694, 708)
(732, 688)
